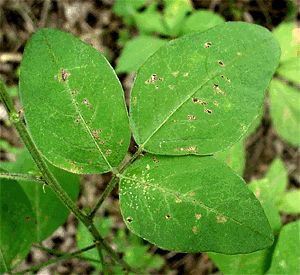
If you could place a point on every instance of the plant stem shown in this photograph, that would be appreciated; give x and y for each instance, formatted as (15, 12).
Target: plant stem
(111, 185)
(59, 253)
(60, 258)
(22, 177)
(53, 183)
(287, 81)
(47, 175)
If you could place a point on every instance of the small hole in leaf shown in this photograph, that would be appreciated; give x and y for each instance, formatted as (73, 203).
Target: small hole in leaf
(168, 216)
(191, 117)
(221, 63)
(207, 45)
(64, 74)
(129, 219)
(199, 101)
(74, 92)
(155, 160)
(153, 78)
(225, 78)
(77, 120)
(208, 111)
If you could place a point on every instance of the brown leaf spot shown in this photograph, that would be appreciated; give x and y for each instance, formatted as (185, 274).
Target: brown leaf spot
(64, 75)
(195, 229)
(207, 44)
(221, 219)
(198, 216)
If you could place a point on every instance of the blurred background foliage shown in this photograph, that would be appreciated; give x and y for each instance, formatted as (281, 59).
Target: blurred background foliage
(127, 32)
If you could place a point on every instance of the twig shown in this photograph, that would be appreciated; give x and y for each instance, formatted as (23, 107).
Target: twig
(44, 13)
(59, 253)
(115, 179)
(52, 261)
(111, 185)
(287, 81)
(10, 57)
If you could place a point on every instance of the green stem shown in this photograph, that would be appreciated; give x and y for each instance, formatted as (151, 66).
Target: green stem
(53, 183)
(43, 167)
(59, 253)
(287, 81)
(113, 182)
(60, 258)
(22, 177)
(111, 185)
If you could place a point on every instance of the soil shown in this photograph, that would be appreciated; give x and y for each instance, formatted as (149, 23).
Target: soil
(94, 22)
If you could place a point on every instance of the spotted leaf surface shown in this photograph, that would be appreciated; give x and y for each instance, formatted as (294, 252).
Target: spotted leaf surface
(17, 223)
(199, 94)
(257, 262)
(74, 104)
(192, 204)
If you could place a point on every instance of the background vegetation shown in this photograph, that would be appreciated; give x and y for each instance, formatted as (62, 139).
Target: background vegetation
(268, 157)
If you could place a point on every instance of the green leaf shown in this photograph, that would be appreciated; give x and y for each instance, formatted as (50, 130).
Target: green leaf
(286, 256)
(198, 101)
(290, 202)
(150, 21)
(137, 51)
(285, 111)
(253, 263)
(175, 12)
(277, 177)
(127, 9)
(257, 262)
(270, 190)
(261, 189)
(17, 224)
(74, 104)
(234, 157)
(255, 123)
(288, 36)
(85, 239)
(49, 211)
(201, 20)
(192, 204)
